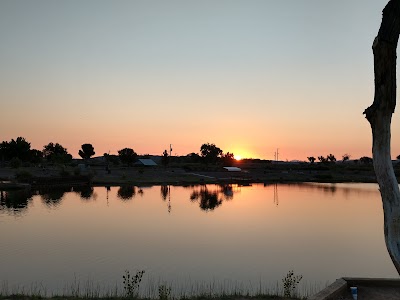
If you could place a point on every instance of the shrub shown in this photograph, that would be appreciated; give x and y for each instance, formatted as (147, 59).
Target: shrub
(15, 163)
(23, 176)
(131, 284)
(64, 173)
(77, 171)
(164, 292)
(290, 283)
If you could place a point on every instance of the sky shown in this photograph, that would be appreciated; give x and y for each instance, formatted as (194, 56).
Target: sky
(250, 76)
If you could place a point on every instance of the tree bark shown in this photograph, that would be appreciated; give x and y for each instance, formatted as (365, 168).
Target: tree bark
(379, 115)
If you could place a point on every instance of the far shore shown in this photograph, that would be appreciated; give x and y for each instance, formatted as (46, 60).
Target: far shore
(98, 175)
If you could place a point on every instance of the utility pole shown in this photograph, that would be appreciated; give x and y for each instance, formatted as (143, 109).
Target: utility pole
(276, 154)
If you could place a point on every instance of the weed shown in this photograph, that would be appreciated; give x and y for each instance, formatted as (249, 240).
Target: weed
(290, 283)
(164, 292)
(131, 284)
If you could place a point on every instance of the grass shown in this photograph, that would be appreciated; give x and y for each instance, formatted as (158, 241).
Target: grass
(157, 289)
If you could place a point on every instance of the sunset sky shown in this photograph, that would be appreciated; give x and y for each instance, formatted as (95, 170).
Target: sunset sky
(250, 76)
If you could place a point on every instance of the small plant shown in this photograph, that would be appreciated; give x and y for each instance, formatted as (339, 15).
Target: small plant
(290, 283)
(131, 284)
(164, 292)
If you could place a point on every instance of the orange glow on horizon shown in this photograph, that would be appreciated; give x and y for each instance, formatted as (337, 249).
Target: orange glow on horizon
(237, 157)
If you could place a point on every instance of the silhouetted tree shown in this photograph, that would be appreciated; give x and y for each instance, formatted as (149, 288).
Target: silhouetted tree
(322, 159)
(18, 148)
(311, 159)
(210, 153)
(36, 156)
(379, 115)
(228, 159)
(165, 158)
(56, 153)
(346, 157)
(87, 151)
(366, 160)
(127, 156)
(112, 158)
(331, 158)
(398, 157)
(194, 157)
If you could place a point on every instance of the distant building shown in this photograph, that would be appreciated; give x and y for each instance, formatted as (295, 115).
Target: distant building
(146, 162)
(233, 169)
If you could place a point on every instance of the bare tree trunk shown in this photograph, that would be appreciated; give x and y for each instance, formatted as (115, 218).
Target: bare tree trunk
(379, 115)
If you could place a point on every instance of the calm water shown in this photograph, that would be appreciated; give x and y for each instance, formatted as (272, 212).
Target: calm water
(187, 236)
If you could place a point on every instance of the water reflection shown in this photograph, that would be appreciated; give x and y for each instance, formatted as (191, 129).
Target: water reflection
(208, 200)
(346, 189)
(164, 192)
(52, 197)
(244, 230)
(276, 197)
(85, 192)
(15, 202)
(209, 197)
(126, 192)
(227, 191)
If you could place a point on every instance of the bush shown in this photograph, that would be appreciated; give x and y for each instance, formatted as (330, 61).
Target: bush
(27, 164)
(290, 283)
(15, 163)
(77, 171)
(23, 176)
(64, 173)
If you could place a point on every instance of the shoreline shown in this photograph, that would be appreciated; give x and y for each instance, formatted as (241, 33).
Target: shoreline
(53, 176)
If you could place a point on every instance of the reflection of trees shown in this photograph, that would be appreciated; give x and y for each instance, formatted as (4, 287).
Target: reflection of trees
(164, 192)
(227, 190)
(52, 197)
(140, 192)
(330, 189)
(85, 192)
(126, 192)
(207, 200)
(15, 202)
(276, 198)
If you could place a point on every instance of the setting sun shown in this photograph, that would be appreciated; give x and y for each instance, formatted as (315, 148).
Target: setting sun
(238, 157)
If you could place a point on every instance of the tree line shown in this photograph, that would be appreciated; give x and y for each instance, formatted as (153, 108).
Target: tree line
(19, 151)
(330, 158)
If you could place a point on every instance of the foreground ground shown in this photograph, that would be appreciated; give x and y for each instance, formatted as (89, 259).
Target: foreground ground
(262, 297)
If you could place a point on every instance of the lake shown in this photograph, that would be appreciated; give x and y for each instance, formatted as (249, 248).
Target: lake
(190, 237)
